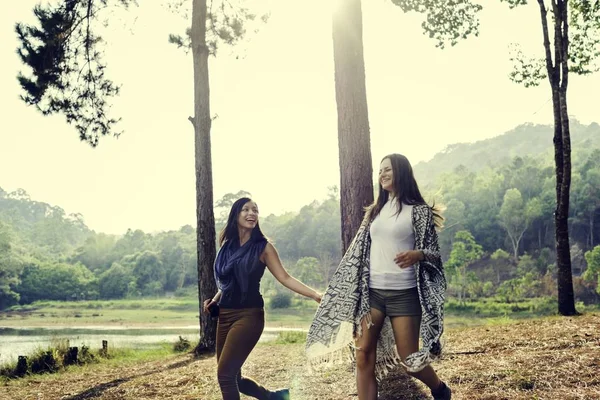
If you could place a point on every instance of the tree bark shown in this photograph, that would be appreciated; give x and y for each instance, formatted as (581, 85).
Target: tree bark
(356, 170)
(592, 229)
(558, 77)
(205, 219)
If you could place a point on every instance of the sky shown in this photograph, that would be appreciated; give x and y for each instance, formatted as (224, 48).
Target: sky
(275, 132)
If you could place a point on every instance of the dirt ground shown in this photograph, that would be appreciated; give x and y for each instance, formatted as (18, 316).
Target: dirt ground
(551, 359)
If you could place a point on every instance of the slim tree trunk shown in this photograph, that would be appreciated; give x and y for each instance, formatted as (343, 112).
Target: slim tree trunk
(592, 229)
(205, 219)
(566, 298)
(558, 76)
(356, 171)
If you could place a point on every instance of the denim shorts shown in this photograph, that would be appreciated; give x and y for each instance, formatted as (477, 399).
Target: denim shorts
(396, 303)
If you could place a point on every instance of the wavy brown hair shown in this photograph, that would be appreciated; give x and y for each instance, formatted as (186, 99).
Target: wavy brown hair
(406, 190)
(230, 230)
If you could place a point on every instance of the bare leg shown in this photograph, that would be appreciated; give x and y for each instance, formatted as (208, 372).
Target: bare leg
(406, 334)
(366, 354)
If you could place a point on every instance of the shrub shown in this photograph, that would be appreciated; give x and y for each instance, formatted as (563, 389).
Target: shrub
(182, 345)
(281, 300)
(291, 337)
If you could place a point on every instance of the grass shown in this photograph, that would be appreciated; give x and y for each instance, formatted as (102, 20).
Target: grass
(115, 356)
(182, 311)
(135, 312)
(549, 358)
(147, 312)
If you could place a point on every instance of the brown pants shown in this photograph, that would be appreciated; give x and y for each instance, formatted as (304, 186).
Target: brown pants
(238, 332)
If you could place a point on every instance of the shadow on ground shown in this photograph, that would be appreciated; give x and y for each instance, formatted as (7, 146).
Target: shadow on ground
(398, 385)
(98, 390)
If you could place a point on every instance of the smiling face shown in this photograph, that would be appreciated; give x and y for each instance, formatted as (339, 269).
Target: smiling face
(248, 216)
(386, 175)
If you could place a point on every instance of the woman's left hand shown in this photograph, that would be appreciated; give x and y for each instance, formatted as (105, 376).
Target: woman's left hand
(407, 258)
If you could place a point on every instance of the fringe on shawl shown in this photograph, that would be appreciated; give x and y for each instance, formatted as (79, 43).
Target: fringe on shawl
(343, 350)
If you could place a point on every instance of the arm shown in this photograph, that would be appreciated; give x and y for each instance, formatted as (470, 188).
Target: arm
(430, 251)
(271, 258)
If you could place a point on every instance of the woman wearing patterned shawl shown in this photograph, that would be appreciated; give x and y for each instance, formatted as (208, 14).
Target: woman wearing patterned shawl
(244, 254)
(388, 289)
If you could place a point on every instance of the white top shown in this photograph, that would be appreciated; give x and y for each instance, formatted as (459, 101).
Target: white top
(391, 234)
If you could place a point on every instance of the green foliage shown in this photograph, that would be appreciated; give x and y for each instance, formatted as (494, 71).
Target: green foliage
(223, 206)
(308, 270)
(487, 157)
(526, 265)
(517, 289)
(281, 300)
(150, 275)
(512, 217)
(446, 21)
(592, 272)
(115, 282)
(56, 281)
(228, 24)
(500, 255)
(584, 43)
(97, 252)
(465, 251)
(68, 73)
(312, 232)
(290, 337)
(139, 264)
(10, 268)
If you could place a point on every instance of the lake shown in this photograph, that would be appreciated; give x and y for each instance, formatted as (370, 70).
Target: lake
(24, 341)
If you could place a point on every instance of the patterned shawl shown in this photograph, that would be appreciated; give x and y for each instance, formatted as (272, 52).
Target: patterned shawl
(345, 304)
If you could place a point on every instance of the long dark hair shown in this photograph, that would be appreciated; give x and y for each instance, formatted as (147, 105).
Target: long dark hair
(230, 231)
(406, 190)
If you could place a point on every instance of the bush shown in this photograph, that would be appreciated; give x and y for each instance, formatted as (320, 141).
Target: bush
(281, 300)
(291, 337)
(182, 345)
(44, 361)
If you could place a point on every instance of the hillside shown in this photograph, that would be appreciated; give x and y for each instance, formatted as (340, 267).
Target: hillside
(525, 140)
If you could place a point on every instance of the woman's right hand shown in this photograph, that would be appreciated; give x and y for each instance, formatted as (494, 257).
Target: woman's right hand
(317, 297)
(207, 304)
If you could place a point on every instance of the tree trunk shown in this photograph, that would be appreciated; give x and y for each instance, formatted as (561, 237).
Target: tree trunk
(356, 170)
(592, 229)
(558, 77)
(566, 298)
(205, 219)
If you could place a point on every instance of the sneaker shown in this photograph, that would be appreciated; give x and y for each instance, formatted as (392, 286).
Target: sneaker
(442, 393)
(280, 394)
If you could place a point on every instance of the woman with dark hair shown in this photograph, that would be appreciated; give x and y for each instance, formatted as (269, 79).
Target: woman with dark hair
(388, 288)
(239, 267)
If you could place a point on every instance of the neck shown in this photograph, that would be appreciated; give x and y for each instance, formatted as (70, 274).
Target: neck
(244, 235)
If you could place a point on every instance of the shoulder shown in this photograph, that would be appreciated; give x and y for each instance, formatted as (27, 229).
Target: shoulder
(269, 246)
(269, 250)
(422, 210)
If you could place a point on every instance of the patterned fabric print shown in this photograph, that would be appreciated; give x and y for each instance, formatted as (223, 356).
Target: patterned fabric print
(345, 304)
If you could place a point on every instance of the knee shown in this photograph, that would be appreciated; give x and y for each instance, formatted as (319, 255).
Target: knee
(226, 377)
(365, 359)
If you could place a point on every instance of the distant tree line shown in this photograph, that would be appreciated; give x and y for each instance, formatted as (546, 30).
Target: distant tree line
(498, 239)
